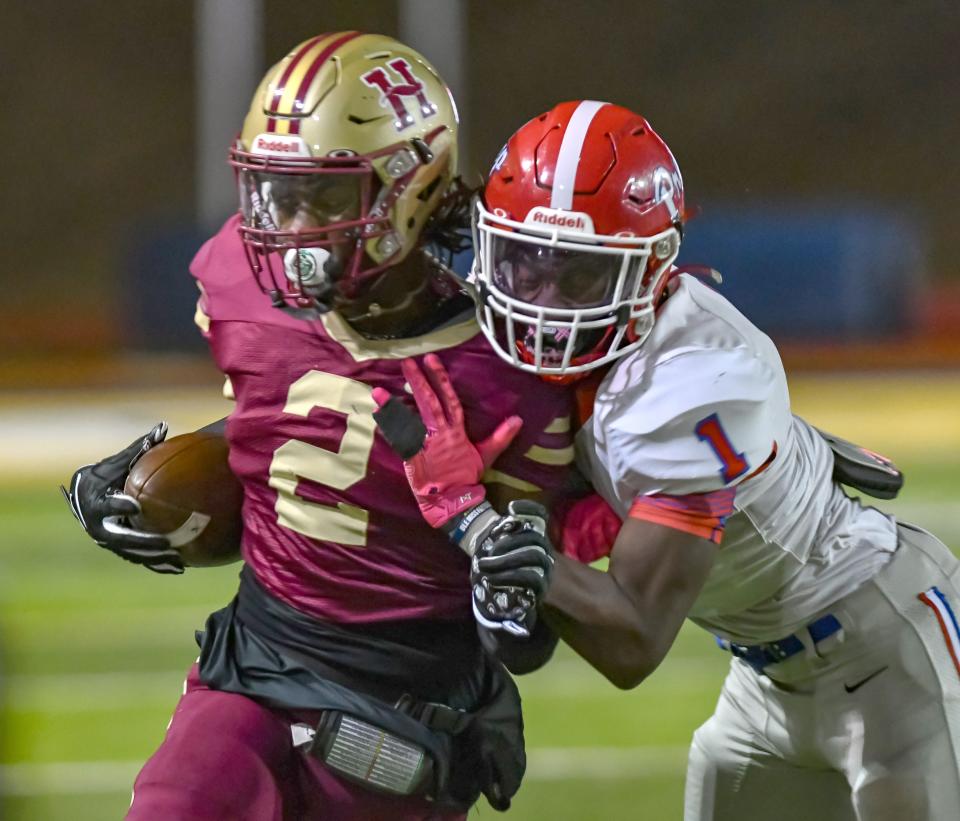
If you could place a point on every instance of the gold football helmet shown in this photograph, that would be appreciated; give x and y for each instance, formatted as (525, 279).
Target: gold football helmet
(349, 145)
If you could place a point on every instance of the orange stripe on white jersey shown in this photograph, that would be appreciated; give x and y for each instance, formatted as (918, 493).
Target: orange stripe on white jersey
(701, 514)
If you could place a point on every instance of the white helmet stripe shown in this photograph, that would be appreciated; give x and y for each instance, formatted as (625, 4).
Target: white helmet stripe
(569, 158)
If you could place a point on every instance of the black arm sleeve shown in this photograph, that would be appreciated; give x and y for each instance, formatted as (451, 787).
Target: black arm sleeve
(220, 426)
(520, 655)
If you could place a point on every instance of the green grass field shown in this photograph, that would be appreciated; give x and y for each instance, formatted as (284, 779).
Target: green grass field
(94, 650)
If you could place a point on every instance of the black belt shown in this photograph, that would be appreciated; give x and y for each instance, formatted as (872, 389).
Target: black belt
(427, 658)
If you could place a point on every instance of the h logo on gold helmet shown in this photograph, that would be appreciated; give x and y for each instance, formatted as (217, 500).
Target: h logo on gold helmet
(393, 94)
(349, 146)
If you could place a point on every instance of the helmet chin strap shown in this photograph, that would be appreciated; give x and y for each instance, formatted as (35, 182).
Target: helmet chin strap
(313, 268)
(376, 311)
(307, 268)
(317, 271)
(435, 273)
(333, 267)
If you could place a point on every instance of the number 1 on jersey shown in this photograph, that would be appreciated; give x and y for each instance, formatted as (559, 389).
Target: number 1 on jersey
(732, 464)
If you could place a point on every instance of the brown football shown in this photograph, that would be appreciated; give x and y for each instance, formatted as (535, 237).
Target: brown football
(186, 490)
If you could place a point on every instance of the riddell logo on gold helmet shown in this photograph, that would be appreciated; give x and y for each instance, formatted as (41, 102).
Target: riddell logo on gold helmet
(277, 144)
(555, 218)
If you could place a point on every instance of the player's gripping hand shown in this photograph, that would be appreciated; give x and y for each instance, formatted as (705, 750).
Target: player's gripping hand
(442, 465)
(97, 499)
(588, 527)
(510, 573)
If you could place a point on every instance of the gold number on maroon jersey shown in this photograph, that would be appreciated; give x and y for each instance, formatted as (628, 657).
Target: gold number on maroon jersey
(294, 460)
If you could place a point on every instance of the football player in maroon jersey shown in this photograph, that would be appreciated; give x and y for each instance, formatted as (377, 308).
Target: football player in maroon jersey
(347, 679)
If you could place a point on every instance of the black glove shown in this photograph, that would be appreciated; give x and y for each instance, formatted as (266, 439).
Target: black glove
(97, 499)
(510, 573)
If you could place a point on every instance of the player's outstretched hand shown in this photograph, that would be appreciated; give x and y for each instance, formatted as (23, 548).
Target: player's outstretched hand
(97, 499)
(442, 465)
(510, 573)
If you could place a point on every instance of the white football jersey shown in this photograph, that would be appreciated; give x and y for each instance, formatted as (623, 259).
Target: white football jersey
(702, 405)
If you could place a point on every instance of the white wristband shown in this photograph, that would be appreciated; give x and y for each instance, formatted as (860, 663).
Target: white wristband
(478, 530)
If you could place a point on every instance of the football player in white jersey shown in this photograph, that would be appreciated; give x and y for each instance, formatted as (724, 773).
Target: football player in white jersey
(843, 696)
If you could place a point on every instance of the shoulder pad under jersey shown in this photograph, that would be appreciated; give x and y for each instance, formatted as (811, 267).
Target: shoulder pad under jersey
(230, 291)
(697, 421)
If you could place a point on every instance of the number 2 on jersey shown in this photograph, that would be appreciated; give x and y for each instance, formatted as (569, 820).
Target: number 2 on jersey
(732, 464)
(339, 469)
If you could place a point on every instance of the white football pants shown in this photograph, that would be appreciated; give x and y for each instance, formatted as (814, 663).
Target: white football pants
(864, 727)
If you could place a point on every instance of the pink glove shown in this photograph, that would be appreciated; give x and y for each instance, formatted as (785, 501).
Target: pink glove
(588, 529)
(445, 474)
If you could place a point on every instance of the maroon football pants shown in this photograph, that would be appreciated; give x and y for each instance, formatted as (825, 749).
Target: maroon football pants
(227, 758)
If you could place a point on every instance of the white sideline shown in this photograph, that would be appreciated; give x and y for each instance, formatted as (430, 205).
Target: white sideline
(68, 778)
(599, 763)
(544, 764)
(112, 691)
(91, 692)
(79, 428)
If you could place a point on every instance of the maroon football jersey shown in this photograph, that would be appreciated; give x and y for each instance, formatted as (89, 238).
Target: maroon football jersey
(330, 524)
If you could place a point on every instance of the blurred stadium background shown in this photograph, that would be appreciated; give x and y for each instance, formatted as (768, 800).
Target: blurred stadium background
(817, 143)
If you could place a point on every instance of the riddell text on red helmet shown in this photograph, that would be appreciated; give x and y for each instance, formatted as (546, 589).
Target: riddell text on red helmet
(573, 220)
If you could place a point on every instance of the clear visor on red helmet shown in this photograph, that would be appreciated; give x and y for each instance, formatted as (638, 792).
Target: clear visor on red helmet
(554, 277)
(555, 301)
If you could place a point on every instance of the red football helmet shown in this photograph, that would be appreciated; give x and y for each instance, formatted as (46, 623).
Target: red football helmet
(581, 223)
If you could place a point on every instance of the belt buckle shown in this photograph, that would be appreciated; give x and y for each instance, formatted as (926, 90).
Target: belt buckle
(760, 656)
(756, 655)
(780, 650)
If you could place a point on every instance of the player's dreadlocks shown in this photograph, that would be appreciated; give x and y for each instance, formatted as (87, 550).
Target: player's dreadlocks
(448, 229)
(446, 234)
